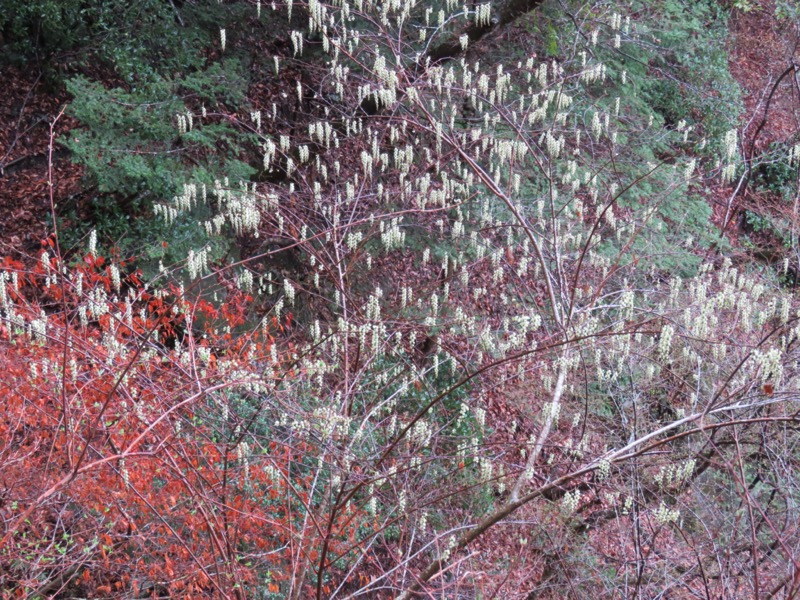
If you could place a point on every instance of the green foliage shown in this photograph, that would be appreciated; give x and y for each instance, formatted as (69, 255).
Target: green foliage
(787, 11)
(37, 29)
(132, 145)
(775, 172)
(139, 42)
(135, 154)
(757, 223)
(690, 79)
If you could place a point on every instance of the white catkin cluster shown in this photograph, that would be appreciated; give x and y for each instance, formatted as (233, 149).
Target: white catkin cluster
(483, 14)
(665, 515)
(665, 342)
(731, 152)
(289, 291)
(297, 42)
(197, 263)
(674, 474)
(571, 501)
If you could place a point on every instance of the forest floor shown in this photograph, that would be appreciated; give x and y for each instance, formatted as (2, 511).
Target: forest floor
(27, 108)
(763, 49)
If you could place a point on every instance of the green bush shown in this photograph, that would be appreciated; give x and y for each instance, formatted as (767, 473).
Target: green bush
(690, 80)
(775, 172)
(137, 41)
(135, 154)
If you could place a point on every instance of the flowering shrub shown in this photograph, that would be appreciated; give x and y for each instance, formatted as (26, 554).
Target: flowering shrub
(138, 451)
(477, 326)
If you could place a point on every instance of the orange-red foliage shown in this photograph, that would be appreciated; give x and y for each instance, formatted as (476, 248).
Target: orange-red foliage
(123, 469)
